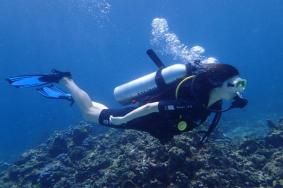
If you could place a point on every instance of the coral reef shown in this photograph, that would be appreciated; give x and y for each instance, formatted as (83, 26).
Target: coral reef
(79, 158)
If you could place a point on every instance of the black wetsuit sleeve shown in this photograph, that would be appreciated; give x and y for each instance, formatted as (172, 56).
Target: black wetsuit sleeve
(175, 106)
(169, 110)
(106, 113)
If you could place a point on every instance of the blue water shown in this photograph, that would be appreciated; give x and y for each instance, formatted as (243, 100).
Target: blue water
(103, 43)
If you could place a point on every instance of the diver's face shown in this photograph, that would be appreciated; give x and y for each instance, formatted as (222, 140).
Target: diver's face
(231, 87)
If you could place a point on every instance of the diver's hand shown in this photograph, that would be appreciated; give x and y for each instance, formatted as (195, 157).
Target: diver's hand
(117, 120)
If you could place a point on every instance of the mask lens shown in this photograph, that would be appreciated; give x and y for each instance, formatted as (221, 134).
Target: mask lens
(241, 84)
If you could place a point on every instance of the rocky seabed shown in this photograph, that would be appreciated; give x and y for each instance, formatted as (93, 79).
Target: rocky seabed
(78, 158)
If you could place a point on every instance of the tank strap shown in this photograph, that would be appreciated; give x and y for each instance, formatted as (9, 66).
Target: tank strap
(159, 80)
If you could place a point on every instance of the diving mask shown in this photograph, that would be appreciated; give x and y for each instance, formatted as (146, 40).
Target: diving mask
(239, 84)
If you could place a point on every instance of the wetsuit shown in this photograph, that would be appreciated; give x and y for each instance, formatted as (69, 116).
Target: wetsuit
(162, 124)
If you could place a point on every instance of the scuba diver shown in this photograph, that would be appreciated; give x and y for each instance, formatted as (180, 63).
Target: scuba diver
(165, 103)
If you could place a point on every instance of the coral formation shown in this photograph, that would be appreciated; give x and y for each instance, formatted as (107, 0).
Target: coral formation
(79, 158)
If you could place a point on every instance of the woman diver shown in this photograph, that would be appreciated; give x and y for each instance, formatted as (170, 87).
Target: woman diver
(182, 98)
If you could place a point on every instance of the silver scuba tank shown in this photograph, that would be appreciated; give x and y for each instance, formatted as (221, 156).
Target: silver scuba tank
(133, 90)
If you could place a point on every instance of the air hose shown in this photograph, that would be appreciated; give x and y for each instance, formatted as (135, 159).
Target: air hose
(181, 83)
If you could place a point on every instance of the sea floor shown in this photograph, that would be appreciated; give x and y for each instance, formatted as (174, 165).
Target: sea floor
(78, 157)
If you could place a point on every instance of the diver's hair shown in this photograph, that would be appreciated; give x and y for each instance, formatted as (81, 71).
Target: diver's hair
(210, 77)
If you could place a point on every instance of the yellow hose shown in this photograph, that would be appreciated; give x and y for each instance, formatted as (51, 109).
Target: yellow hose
(181, 83)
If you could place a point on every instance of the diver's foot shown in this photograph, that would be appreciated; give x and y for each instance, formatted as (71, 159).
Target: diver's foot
(65, 80)
(59, 75)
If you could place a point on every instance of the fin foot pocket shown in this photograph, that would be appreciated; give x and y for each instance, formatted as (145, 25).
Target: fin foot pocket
(61, 73)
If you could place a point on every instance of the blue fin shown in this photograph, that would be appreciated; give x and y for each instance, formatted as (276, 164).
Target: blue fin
(36, 80)
(27, 81)
(53, 92)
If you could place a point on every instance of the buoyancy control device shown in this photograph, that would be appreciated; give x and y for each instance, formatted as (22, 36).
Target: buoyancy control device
(164, 78)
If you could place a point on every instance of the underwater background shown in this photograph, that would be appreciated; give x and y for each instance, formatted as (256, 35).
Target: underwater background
(103, 44)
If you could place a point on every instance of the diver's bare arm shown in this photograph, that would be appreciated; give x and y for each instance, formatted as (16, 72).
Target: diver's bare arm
(139, 112)
(90, 110)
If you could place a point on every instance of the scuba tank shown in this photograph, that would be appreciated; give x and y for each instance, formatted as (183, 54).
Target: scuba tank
(152, 83)
(127, 93)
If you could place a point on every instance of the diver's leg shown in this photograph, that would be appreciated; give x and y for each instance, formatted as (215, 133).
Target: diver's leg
(99, 105)
(90, 109)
